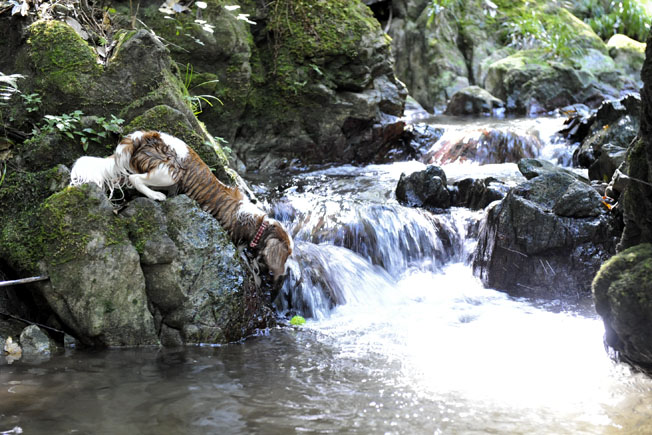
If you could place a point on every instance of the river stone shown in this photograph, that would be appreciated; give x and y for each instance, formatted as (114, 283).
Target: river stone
(546, 238)
(96, 285)
(473, 101)
(604, 149)
(205, 294)
(426, 189)
(531, 168)
(621, 291)
(35, 342)
(476, 193)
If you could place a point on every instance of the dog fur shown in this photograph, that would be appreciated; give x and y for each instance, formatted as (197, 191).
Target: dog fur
(146, 159)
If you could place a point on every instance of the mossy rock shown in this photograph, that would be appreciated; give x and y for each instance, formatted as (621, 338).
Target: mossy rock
(66, 67)
(622, 290)
(96, 286)
(628, 54)
(21, 236)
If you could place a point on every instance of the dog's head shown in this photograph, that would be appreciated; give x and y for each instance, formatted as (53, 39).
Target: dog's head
(277, 248)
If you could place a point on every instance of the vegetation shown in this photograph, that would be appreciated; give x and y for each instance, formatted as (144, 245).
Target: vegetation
(528, 24)
(608, 17)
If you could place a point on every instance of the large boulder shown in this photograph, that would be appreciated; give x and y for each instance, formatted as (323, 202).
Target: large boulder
(637, 196)
(529, 85)
(622, 292)
(96, 285)
(197, 284)
(98, 290)
(436, 53)
(308, 83)
(546, 238)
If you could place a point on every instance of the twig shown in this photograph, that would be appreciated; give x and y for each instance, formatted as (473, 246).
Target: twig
(29, 322)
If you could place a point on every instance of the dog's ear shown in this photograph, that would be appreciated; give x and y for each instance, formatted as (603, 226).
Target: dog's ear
(275, 254)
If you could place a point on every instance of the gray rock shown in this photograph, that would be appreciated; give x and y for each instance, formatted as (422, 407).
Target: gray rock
(546, 238)
(35, 342)
(473, 100)
(96, 285)
(477, 193)
(205, 294)
(531, 168)
(426, 189)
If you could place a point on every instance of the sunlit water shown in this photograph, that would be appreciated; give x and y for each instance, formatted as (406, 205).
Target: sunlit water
(402, 339)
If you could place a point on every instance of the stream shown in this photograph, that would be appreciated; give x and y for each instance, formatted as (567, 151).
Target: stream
(400, 337)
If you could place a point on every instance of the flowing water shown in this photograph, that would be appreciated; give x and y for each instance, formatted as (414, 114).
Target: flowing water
(401, 338)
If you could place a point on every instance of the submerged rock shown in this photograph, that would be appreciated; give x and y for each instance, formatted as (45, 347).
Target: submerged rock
(490, 145)
(621, 291)
(546, 238)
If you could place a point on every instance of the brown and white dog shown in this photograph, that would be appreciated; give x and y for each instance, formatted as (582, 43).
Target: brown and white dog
(154, 159)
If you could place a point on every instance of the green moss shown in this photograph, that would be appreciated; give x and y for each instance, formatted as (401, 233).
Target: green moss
(65, 63)
(309, 29)
(141, 228)
(624, 279)
(67, 222)
(21, 194)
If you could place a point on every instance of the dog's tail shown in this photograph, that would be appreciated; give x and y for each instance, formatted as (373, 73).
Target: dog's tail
(109, 172)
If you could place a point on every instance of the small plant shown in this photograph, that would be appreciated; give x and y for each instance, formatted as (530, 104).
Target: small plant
(70, 124)
(196, 101)
(32, 102)
(624, 16)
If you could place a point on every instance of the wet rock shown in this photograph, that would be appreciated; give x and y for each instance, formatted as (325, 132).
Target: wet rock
(427, 189)
(200, 290)
(636, 202)
(476, 194)
(531, 168)
(604, 150)
(621, 292)
(484, 146)
(422, 137)
(546, 238)
(473, 101)
(581, 123)
(35, 342)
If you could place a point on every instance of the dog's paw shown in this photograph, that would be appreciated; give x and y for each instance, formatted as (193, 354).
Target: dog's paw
(158, 196)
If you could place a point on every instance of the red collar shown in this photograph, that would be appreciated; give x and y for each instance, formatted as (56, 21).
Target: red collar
(259, 233)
